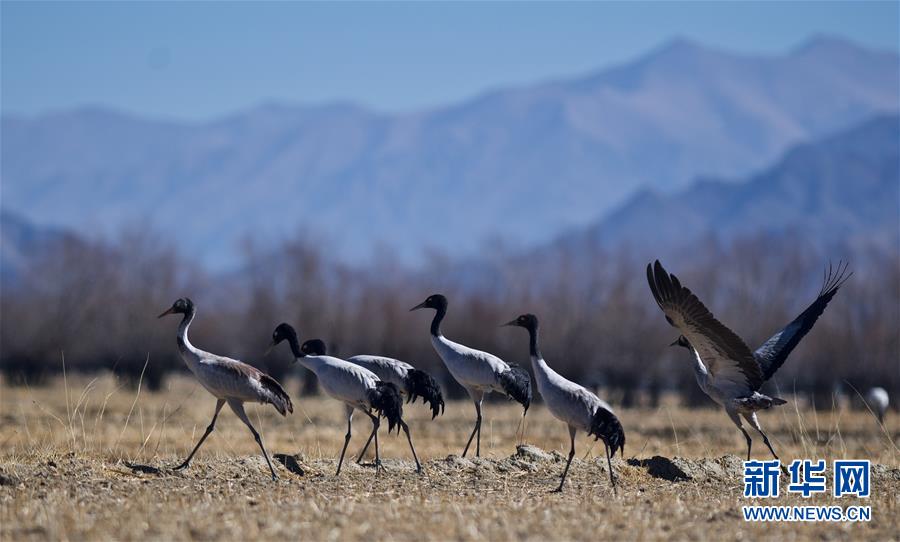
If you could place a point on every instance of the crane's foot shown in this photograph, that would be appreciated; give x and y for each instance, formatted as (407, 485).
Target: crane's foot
(376, 464)
(182, 466)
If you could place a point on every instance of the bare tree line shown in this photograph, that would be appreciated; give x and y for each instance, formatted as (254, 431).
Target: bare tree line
(95, 303)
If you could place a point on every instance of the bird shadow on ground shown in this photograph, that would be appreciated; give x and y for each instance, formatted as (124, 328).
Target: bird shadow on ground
(290, 463)
(144, 469)
(661, 467)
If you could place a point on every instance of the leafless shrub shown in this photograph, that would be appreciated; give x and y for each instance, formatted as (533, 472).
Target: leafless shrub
(97, 302)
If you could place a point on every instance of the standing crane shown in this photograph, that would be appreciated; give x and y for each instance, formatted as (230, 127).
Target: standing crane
(572, 403)
(357, 387)
(412, 382)
(478, 372)
(229, 380)
(726, 370)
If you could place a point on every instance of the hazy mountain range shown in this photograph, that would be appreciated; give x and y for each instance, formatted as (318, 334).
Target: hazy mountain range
(21, 241)
(835, 195)
(523, 163)
(841, 191)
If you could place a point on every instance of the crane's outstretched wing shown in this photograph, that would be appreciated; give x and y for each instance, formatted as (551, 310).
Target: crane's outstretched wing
(725, 355)
(772, 353)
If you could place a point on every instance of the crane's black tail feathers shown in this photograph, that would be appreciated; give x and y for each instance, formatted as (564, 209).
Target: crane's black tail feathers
(385, 399)
(516, 383)
(758, 401)
(421, 384)
(276, 395)
(606, 427)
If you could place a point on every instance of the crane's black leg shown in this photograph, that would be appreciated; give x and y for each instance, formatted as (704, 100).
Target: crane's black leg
(562, 481)
(366, 447)
(612, 479)
(476, 429)
(766, 440)
(749, 441)
(377, 453)
(411, 447)
(209, 429)
(346, 440)
(755, 423)
(238, 409)
(478, 440)
(737, 421)
(376, 423)
(524, 427)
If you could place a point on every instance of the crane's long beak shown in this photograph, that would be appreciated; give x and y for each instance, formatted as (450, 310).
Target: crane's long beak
(269, 349)
(419, 306)
(512, 322)
(170, 311)
(674, 343)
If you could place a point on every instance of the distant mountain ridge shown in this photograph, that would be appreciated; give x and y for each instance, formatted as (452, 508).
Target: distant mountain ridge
(842, 191)
(524, 163)
(21, 242)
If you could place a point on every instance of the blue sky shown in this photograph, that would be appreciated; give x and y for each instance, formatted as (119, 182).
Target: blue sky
(202, 60)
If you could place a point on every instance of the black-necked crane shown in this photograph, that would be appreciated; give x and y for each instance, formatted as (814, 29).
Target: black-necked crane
(878, 400)
(229, 380)
(725, 368)
(357, 387)
(412, 383)
(572, 403)
(478, 372)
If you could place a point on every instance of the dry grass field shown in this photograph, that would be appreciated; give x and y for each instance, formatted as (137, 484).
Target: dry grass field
(65, 451)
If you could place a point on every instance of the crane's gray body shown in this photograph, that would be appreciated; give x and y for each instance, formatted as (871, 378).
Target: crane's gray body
(477, 371)
(342, 380)
(566, 400)
(387, 369)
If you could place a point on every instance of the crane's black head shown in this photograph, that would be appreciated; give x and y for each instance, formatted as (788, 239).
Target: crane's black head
(528, 321)
(314, 347)
(181, 306)
(283, 332)
(435, 301)
(682, 342)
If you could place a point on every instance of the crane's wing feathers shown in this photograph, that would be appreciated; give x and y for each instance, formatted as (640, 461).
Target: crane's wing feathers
(773, 353)
(385, 399)
(246, 381)
(382, 363)
(607, 427)
(277, 396)
(516, 383)
(421, 384)
(725, 355)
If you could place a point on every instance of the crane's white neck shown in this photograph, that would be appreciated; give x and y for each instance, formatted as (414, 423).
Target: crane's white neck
(541, 369)
(700, 370)
(189, 353)
(184, 343)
